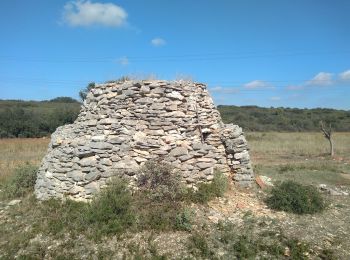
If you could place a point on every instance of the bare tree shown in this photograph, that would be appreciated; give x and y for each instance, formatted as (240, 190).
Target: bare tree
(328, 134)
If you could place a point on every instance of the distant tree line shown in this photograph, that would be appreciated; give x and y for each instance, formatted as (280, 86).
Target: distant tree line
(41, 118)
(253, 118)
(36, 118)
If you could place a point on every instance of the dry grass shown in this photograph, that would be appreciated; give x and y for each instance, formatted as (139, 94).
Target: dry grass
(16, 152)
(301, 157)
(281, 147)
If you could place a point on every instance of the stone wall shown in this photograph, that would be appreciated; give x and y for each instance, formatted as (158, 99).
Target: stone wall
(122, 125)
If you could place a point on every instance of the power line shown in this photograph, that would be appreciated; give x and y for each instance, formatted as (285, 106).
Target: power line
(170, 58)
(231, 87)
(221, 83)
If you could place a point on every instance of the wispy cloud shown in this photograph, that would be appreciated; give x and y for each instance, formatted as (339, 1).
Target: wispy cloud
(257, 84)
(344, 76)
(321, 79)
(294, 87)
(216, 89)
(222, 90)
(124, 61)
(87, 13)
(275, 98)
(157, 42)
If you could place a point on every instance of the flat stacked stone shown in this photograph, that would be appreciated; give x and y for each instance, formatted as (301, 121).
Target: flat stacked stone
(123, 125)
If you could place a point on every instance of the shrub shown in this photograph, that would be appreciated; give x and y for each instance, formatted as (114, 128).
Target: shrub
(153, 215)
(293, 197)
(59, 216)
(219, 184)
(159, 182)
(298, 249)
(159, 200)
(245, 247)
(111, 211)
(21, 182)
(198, 246)
(183, 220)
(208, 191)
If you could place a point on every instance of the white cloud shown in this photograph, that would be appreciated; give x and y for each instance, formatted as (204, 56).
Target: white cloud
(158, 42)
(345, 75)
(227, 90)
(216, 89)
(124, 61)
(86, 13)
(275, 98)
(255, 84)
(295, 87)
(321, 79)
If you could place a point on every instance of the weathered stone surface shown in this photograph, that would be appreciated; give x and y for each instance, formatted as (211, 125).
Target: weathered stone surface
(122, 125)
(145, 90)
(101, 145)
(185, 157)
(175, 95)
(98, 138)
(76, 175)
(108, 121)
(203, 165)
(92, 175)
(145, 100)
(178, 151)
(88, 161)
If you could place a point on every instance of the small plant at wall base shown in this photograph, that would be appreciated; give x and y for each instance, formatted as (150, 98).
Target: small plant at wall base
(296, 198)
(208, 191)
(159, 199)
(20, 183)
(111, 210)
(160, 182)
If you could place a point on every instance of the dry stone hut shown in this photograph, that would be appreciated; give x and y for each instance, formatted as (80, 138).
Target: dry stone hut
(121, 125)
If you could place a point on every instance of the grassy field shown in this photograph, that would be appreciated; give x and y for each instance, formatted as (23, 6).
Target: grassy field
(301, 156)
(17, 152)
(237, 226)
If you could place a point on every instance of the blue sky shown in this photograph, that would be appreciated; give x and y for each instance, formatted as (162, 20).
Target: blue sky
(265, 53)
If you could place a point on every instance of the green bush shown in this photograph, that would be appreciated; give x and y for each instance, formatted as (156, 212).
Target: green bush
(198, 246)
(245, 247)
(59, 216)
(293, 197)
(298, 249)
(160, 182)
(153, 215)
(208, 191)
(183, 220)
(111, 210)
(159, 200)
(21, 182)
